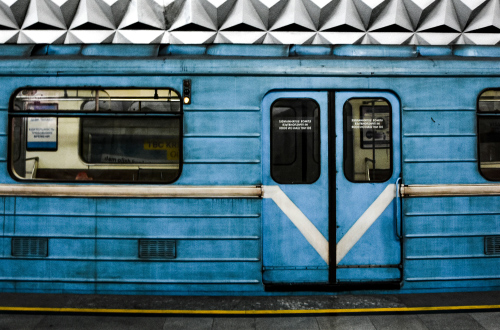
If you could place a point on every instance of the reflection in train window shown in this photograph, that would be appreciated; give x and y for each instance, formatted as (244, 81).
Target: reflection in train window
(367, 140)
(295, 142)
(93, 135)
(488, 134)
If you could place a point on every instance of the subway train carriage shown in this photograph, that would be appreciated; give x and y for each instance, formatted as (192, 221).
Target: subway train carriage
(249, 169)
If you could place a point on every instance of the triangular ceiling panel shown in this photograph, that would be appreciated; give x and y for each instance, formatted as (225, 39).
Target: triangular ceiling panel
(487, 20)
(320, 10)
(8, 36)
(392, 17)
(193, 14)
(46, 36)
(144, 12)
(68, 9)
(438, 39)
(299, 38)
(368, 40)
(43, 12)
(138, 36)
(294, 16)
(269, 10)
(189, 37)
(391, 38)
(483, 38)
(269, 39)
(90, 36)
(345, 17)
(234, 37)
(341, 38)
(418, 10)
(218, 9)
(18, 8)
(442, 19)
(243, 14)
(369, 10)
(7, 18)
(415, 40)
(95, 12)
(467, 10)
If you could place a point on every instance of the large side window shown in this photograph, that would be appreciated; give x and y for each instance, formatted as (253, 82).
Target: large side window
(488, 134)
(367, 140)
(295, 142)
(101, 135)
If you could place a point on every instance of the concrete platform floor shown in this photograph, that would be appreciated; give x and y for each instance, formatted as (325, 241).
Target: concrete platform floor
(313, 312)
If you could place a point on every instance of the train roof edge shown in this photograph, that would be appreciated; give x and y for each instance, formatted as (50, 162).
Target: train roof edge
(135, 50)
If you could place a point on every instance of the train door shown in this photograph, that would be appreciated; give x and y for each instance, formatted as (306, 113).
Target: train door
(307, 206)
(367, 165)
(296, 197)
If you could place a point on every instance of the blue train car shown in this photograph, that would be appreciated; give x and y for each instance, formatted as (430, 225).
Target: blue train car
(240, 169)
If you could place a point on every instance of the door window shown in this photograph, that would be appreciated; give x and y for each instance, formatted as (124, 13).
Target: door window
(367, 140)
(295, 143)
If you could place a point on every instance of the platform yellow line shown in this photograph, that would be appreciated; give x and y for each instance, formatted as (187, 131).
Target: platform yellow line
(246, 312)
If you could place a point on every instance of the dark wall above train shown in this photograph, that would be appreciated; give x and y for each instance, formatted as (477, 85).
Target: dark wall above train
(394, 22)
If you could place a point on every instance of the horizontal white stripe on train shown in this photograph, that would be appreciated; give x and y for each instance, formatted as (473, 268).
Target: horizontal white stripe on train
(128, 191)
(184, 191)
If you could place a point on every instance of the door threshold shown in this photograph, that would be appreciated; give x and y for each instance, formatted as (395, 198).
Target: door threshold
(338, 287)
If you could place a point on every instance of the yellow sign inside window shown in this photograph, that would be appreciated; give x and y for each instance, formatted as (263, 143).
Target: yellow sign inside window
(170, 146)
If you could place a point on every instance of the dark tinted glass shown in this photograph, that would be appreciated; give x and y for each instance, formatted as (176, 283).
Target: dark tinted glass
(295, 142)
(488, 134)
(367, 140)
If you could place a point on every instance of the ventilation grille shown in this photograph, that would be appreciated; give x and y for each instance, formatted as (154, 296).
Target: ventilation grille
(30, 247)
(157, 248)
(492, 245)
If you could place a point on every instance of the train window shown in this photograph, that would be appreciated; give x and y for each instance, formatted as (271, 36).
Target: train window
(295, 142)
(488, 131)
(367, 140)
(105, 135)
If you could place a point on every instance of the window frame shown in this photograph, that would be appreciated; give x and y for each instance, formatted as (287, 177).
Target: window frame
(78, 114)
(484, 114)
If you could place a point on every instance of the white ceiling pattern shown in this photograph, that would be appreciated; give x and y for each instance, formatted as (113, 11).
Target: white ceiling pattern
(387, 22)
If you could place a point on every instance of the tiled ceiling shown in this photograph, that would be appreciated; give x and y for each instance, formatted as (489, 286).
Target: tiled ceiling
(389, 22)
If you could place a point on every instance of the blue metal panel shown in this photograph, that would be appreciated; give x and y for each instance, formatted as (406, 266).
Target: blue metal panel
(120, 50)
(375, 51)
(248, 50)
(373, 274)
(452, 269)
(311, 50)
(16, 50)
(177, 207)
(228, 93)
(222, 123)
(476, 205)
(476, 51)
(182, 50)
(220, 149)
(220, 174)
(430, 225)
(204, 226)
(55, 225)
(440, 148)
(439, 123)
(442, 173)
(446, 247)
(434, 50)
